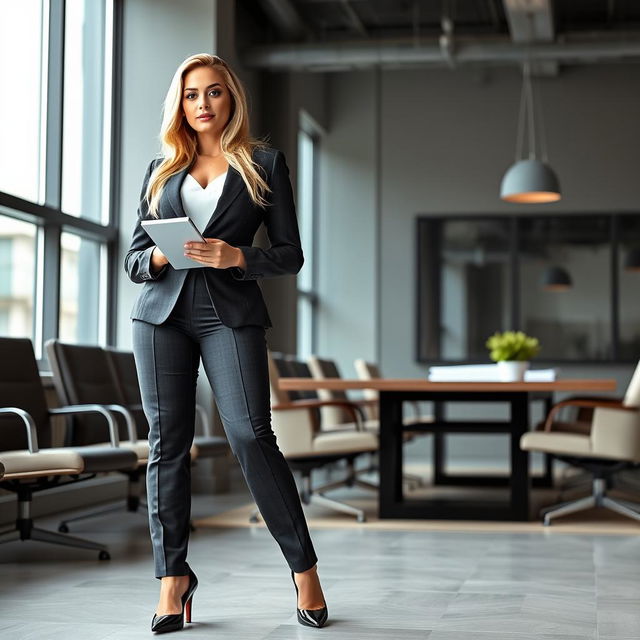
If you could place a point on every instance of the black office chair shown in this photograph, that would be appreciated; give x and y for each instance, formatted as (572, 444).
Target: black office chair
(84, 374)
(323, 368)
(88, 373)
(30, 463)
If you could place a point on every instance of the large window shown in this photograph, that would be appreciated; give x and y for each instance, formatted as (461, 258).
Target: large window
(57, 233)
(80, 290)
(85, 148)
(17, 277)
(22, 108)
(571, 281)
(307, 205)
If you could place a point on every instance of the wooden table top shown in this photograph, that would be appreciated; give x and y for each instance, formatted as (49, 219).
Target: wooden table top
(420, 384)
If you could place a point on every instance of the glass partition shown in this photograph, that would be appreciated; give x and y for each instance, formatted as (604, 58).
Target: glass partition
(475, 285)
(565, 285)
(570, 280)
(629, 292)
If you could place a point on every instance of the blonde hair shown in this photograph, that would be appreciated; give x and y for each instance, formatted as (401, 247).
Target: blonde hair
(179, 140)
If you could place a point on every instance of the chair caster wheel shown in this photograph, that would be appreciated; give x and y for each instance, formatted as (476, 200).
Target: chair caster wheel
(253, 519)
(62, 528)
(192, 527)
(104, 555)
(361, 518)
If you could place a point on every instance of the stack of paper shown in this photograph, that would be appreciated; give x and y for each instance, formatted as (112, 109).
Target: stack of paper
(484, 373)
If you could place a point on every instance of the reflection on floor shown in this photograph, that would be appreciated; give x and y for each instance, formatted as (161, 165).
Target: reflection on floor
(391, 584)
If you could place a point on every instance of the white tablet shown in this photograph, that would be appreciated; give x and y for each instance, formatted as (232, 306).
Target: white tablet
(170, 235)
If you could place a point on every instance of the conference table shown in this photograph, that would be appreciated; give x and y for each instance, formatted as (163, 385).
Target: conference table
(393, 392)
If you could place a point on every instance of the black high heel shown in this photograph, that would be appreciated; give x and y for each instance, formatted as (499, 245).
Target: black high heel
(175, 621)
(310, 617)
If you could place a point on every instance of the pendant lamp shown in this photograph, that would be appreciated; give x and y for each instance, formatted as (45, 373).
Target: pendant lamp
(529, 180)
(556, 279)
(632, 260)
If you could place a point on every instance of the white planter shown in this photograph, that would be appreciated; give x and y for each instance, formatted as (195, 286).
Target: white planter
(512, 370)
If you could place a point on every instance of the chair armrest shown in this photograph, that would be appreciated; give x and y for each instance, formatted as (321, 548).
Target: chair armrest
(29, 423)
(356, 411)
(93, 408)
(585, 413)
(594, 403)
(365, 402)
(204, 419)
(596, 398)
(128, 418)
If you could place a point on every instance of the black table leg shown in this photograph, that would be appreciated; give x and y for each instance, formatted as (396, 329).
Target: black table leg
(439, 447)
(547, 478)
(391, 458)
(519, 479)
(392, 502)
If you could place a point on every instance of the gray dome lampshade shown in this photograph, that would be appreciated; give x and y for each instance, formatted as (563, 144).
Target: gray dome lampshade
(556, 279)
(530, 181)
(632, 260)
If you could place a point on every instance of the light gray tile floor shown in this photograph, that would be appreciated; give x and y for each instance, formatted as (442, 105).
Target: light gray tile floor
(378, 584)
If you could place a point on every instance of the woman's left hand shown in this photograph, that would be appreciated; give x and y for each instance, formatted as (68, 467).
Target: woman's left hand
(215, 253)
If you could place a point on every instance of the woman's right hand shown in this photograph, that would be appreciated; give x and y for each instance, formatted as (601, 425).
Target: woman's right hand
(158, 259)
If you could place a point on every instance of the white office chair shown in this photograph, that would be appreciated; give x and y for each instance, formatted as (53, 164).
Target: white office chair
(307, 448)
(322, 369)
(612, 445)
(369, 371)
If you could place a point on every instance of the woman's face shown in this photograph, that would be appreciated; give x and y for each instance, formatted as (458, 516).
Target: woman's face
(205, 93)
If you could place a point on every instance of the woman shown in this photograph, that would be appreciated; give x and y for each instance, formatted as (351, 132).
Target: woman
(228, 183)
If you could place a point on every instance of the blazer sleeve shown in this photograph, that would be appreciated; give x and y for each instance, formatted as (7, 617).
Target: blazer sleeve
(284, 256)
(137, 262)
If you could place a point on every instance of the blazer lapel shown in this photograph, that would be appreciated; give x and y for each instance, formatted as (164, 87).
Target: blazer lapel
(172, 192)
(232, 187)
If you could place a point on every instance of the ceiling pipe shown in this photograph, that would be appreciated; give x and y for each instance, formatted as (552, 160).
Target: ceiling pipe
(398, 53)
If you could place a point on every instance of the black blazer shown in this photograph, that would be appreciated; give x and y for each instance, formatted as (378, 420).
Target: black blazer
(235, 293)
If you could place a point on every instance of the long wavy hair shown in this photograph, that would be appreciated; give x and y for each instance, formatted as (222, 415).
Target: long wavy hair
(179, 140)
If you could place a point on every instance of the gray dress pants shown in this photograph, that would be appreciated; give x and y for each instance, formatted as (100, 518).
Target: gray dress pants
(235, 360)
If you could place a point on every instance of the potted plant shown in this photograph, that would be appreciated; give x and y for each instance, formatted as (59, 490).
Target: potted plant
(512, 350)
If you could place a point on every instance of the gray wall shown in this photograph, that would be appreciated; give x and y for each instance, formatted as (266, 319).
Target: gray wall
(407, 142)
(348, 226)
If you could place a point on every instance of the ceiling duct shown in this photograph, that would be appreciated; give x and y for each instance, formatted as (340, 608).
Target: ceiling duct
(405, 52)
(532, 21)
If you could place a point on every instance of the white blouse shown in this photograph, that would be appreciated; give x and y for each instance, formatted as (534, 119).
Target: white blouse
(198, 203)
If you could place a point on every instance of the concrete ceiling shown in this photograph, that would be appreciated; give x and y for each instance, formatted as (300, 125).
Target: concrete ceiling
(322, 35)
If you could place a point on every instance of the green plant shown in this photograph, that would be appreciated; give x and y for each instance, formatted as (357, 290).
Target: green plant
(512, 345)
